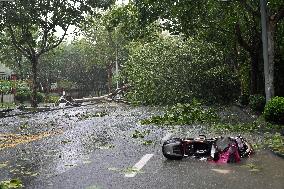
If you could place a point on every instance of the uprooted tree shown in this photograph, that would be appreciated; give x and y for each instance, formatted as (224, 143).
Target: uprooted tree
(234, 25)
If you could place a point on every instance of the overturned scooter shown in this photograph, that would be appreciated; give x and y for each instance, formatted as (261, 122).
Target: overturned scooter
(219, 149)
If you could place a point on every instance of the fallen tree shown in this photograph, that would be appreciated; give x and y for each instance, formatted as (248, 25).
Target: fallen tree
(113, 96)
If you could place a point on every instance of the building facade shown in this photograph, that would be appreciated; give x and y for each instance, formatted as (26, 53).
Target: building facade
(5, 72)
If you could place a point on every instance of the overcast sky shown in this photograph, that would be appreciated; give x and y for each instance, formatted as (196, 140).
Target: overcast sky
(71, 29)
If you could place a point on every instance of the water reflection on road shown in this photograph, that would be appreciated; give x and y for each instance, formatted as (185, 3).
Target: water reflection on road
(89, 145)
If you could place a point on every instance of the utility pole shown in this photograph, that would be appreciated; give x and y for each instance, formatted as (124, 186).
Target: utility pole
(263, 10)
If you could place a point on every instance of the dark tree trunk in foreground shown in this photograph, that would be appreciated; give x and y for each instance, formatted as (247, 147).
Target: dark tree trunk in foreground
(254, 73)
(254, 49)
(269, 23)
(269, 71)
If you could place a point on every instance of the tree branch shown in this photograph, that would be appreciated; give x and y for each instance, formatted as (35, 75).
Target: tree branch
(240, 39)
(44, 38)
(249, 8)
(216, 27)
(56, 44)
(24, 51)
(46, 29)
(278, 16)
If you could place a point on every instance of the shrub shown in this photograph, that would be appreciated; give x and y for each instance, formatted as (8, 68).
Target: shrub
(51, 99)
(5, 86)
(257, 102)
(23, 95)
(244, 99)
(274, 110)
(40, 97)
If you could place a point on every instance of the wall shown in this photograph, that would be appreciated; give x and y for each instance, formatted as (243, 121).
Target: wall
(9, 98)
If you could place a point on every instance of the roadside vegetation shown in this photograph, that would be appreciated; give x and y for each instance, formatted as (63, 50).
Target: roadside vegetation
(212, 118)
(196, 58)
(8, 184)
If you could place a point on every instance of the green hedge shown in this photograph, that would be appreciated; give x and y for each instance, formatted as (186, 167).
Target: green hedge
(22, 96)
(274, 110)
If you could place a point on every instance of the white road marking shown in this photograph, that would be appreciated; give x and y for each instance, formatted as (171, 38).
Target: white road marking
(139, 165)
(222, 171)
(167, 137)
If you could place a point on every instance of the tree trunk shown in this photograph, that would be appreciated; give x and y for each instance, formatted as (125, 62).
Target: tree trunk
(269, 74)
(268, 31)
(109, 75)
(2, 97)
(19, 60)
(34, 62)
(254, 73)
(254, 52)
(107, 97)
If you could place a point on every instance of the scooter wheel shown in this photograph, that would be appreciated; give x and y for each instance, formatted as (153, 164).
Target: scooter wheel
(172, 149)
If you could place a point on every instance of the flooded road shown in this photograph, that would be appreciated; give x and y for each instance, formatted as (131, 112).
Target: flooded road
(94, 147)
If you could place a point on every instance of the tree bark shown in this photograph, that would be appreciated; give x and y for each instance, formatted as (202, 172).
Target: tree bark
(254, 73)
(107, 97)
(269, 74)
(19, 60)
(34, 61)
(2, 97)
(254, 52)
(109, 75)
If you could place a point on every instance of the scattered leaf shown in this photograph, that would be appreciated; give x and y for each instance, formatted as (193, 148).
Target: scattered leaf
(24, 126)
(105, 147)
(65, 141)
(147, 142)
(131, 170)
(113, 169)
(12, 140)
(35, 174)
(140, 134)
(3, 165)
(87, 162)
(14, 183)
(252, 167)
(70, 165)
(93, 187)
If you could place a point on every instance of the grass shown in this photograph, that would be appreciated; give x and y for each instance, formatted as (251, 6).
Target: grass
(275, 143)
(7, 105)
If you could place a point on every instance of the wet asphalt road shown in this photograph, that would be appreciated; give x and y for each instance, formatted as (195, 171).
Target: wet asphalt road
(86, 151)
